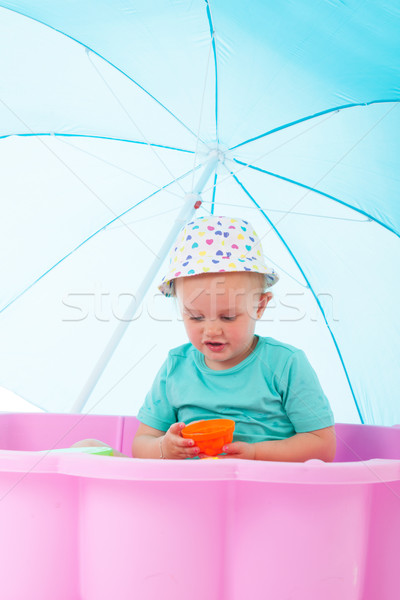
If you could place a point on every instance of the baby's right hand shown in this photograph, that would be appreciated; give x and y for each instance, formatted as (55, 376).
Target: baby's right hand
(173, 445)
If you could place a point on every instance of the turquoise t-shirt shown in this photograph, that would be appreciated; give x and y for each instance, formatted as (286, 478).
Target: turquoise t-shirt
(271, 395)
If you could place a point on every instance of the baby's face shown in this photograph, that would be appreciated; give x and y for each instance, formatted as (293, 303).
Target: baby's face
(219, 313)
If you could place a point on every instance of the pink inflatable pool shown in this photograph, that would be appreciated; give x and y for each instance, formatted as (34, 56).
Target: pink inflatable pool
(79, 527)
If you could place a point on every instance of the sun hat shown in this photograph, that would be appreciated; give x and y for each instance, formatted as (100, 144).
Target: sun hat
(213, 244)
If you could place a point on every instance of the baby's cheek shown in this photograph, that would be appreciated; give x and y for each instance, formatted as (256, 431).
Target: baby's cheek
(191, 331)
(194, 337)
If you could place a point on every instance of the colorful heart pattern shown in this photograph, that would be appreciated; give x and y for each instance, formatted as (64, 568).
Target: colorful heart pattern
(216, 244)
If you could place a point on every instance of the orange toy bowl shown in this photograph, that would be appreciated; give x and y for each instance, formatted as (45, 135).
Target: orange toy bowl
(210, 436)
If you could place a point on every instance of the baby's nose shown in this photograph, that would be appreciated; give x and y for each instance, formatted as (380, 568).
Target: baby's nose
(212, 328)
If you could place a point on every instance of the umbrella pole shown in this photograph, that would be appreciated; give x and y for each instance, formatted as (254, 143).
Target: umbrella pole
(191, 204)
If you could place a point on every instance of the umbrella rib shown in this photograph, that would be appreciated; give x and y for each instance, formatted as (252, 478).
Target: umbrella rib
(89, 49)
(212, 33)
(311, 189)
(135, 221)
(308, 284)
(201, 113)
(118, 217)
(292, 212)
(214, 192)
(315, 116)
(96, 137)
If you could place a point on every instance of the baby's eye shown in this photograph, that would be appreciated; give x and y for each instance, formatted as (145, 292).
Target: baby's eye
(225, 318)
(196, 318)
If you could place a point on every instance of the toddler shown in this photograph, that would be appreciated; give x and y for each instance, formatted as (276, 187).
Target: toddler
(218, 275)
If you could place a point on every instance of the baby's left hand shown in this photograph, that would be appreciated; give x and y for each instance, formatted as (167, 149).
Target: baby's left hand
(239, 450)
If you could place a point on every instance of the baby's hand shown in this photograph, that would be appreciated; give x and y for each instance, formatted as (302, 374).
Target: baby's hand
(239, 450)
(173, 445)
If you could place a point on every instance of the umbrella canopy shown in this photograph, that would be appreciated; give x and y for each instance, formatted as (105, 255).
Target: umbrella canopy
(113, 113)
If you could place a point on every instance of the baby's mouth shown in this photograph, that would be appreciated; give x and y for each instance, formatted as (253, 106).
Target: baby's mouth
(215, 346)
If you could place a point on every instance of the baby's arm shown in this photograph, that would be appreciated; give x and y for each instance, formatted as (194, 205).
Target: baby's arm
(320, 444)
(153, 443)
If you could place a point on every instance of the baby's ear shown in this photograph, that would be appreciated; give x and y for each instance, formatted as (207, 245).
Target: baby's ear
(265, 297)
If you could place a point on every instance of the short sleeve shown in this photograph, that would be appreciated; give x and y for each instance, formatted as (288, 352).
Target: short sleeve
(304, 401)
(156, 411)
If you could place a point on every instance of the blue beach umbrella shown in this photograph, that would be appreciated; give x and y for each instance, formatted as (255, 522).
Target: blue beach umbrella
(121, 120)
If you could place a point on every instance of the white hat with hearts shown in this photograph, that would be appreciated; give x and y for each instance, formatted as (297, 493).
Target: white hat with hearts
(216, 244)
